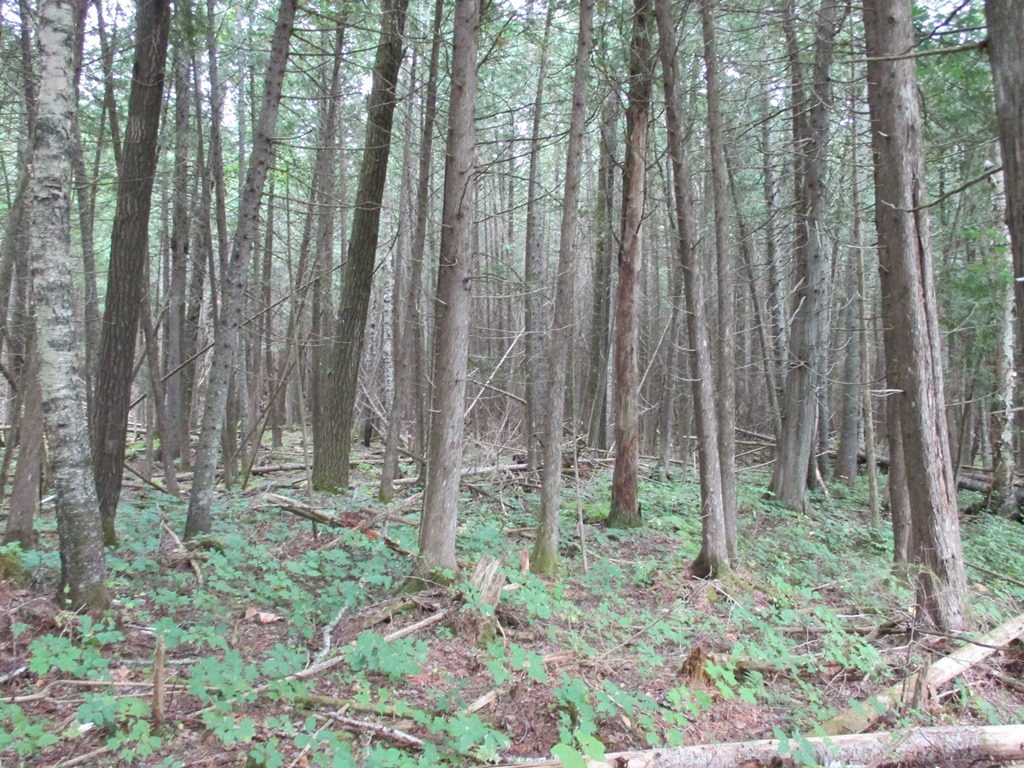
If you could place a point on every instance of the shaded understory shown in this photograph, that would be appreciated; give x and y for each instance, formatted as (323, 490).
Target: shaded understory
(283, 645)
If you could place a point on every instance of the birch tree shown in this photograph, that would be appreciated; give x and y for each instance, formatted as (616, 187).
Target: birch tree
(83, 568)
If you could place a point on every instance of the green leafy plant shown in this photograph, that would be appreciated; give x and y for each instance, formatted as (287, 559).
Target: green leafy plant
(395, 659)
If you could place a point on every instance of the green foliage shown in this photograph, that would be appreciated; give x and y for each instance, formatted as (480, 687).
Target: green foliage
(24, 734)
(395, 659)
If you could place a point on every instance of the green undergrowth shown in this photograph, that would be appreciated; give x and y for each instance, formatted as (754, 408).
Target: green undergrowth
(600, 654)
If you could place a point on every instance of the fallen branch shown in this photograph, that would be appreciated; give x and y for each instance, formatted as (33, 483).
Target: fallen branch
(933, 745)
(365, 726)
(307, 512)
(862, 714)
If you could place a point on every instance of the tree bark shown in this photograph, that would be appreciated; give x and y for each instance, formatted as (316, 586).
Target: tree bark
(1006, 53)
(1003, 497)
(533, 271)
(810, 318)
(128, 256)
(24, 503)
(714, 553)
(725, 380)
(230, 319)
(625, 508)
(331, 455)
(178, 422)
(944, 745)
(83, 569)
(413, 334)
(595, 398)
(544, 558)
(910, 310)
(323, 214)
(454, 286)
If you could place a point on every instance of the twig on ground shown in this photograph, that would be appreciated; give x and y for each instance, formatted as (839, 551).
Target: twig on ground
(362, 726)
(14, 673)
(328, 631)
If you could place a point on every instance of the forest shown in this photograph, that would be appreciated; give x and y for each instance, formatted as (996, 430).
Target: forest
(512, 382)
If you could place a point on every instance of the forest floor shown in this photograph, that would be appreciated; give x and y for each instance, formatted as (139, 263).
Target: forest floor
(285, 644)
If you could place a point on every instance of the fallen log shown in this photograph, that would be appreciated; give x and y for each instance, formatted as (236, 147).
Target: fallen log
(932, 745)
(863, 713)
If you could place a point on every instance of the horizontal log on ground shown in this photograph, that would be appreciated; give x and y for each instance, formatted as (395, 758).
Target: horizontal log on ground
(922, 745)
(862, 714)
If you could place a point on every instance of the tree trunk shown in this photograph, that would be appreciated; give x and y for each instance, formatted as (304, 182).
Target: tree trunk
(454, 294)
(544, 558)
(413, 334)
(24, 503)
(128, 256)
(1006, 53)
(230, 318)
(809, 330)
(910, 311)
(177, 426)
(725, 380)
(625, 508)
(1003, 497)
(533, 271)
(714, 553)
(397, 404)
(323, 213)
(850, 389)
(331, 455)
(83, 570)
(595, 398)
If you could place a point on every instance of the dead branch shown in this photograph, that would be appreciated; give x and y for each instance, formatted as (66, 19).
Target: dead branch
(307, 512)
(924, 745)
(862, 714)
(365, 726)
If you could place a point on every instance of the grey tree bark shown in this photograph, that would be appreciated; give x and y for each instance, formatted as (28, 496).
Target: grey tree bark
(808, 339)
(544, 558)
(230, 318)
(454, 294)
(725, 389)
(713, 558)
(595, 393)
(1006, 53)
(83, 568)
(910, 311)
(533, 271)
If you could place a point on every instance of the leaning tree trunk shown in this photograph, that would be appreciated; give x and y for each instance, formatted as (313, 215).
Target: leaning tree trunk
(714, 553)
(625, 508)
(910, 310)
(544, 558)
(129, 252)
(331, 455)
(454, 286)
(83, 569)
(230, 318)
